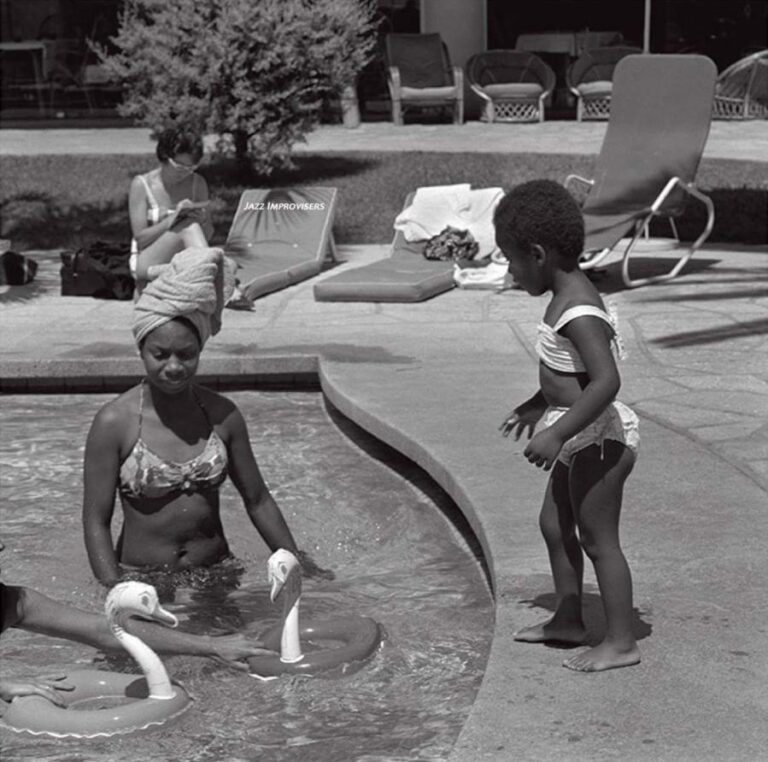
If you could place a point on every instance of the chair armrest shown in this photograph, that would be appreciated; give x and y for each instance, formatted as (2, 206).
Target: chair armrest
(458, 78)
(393, 82)
(571, 178)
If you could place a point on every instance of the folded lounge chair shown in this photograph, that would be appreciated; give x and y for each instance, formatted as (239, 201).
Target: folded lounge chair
(281, 236)
(661, 107)
(405, 276)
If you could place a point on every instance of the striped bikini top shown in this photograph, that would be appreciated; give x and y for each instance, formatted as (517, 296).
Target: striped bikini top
(558, 352)
(145, 474)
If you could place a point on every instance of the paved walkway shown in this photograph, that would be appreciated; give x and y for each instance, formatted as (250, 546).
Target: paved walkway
(434, 380)
(727, 140)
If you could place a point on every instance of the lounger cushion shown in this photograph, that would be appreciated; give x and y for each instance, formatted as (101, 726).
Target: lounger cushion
(595, 88)
(395, 279)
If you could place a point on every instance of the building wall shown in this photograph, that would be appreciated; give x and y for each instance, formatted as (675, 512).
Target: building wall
(462, 24)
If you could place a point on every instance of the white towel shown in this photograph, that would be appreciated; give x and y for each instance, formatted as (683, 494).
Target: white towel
(493, 277)
(195, 285)
(436, 207)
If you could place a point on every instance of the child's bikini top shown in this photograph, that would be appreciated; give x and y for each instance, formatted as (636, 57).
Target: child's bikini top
(144, 474)
(558, 352)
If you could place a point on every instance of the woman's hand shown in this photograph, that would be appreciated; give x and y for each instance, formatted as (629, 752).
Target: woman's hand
(523, 417)
(46, 687)
(543, 449)
(310, 569)
(233, 650)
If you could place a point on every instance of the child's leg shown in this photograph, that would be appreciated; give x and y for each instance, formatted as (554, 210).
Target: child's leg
(596, 486)
(565, 558)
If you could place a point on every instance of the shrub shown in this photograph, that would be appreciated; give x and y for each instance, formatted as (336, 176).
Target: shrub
(254, 73)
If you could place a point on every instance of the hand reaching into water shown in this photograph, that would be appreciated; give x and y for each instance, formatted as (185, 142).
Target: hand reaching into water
(232, 650)
(46, 687)
(311, 570)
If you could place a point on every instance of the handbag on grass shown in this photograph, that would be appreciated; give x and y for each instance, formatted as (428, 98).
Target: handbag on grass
(100, 270)
(16, 269)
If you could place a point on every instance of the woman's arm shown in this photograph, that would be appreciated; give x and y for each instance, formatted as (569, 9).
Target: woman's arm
(588, 335)
(144, 233)
(259, 503)
(201, 193)
(39, 613)
(101, 473)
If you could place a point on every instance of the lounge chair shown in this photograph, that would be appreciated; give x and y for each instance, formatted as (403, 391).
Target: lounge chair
(281, 236)
(512, 83)
(590, 79)
(661, 109)
(742, 89)
(420, 75)
(405, 276)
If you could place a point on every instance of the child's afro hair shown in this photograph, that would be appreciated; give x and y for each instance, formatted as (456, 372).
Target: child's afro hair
(541, 212)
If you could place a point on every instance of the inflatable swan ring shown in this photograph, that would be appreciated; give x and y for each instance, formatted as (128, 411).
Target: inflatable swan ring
(359, 636)
(134, 703)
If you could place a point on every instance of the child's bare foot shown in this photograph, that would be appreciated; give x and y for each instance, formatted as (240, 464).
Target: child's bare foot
(552, 632)
(602, 657)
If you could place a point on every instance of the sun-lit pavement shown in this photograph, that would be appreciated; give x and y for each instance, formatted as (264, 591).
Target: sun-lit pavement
(435, 379)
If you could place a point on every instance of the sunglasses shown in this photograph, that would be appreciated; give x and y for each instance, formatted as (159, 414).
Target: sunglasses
(186, 167)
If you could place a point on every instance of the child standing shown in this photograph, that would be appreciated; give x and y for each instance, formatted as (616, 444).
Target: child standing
(588, 439)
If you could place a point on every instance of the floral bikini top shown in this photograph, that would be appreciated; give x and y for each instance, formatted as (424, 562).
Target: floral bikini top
(144, 474)
(558, 352)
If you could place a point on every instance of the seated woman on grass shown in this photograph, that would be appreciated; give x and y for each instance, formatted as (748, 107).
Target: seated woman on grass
(168, 205)
(167, 444)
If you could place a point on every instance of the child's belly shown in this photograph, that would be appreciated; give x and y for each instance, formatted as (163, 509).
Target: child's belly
(561, 389)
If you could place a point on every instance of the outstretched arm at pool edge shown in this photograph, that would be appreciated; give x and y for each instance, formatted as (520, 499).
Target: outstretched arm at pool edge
(100, 474)
(259, 503)
(30, 610)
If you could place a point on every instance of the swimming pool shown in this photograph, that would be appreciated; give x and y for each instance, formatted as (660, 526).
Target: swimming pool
(360, 509)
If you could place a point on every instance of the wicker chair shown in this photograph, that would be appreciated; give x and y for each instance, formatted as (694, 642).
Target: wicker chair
(420, 75)
(742, 89)
(590, 79)
(513, 84)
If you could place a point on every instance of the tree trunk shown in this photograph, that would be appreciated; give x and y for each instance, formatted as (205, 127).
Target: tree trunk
(241, 146)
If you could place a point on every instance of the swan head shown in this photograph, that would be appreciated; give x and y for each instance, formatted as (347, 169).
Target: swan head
(137, 599)
(281, 567)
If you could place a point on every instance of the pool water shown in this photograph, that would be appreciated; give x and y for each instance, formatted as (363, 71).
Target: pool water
(356, 506)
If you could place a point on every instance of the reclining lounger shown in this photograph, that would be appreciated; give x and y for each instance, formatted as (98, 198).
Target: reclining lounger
(405, 276)
(281, 236)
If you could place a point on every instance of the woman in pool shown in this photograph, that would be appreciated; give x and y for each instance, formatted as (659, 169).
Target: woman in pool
(167, 444)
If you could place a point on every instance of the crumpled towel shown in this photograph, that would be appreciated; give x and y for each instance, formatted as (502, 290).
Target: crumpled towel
(436, 207)
(493, 276)
(195, 285)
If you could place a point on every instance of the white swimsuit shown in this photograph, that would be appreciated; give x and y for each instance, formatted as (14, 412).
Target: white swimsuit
(617, 422)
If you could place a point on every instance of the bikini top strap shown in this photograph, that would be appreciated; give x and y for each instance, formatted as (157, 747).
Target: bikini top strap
(202, 407)
(580, 310)
(141, 405)
(150, 195)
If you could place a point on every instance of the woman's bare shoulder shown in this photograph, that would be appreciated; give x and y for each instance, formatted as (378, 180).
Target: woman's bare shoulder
(218, 407)
(120, 410)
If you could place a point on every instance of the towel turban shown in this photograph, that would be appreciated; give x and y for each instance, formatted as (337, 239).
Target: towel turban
(195, 285)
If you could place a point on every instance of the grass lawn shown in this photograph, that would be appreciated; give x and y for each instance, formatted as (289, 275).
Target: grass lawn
(49, 202)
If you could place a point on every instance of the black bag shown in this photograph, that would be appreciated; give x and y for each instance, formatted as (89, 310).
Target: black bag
(15, 269)
(451, 244)
(100, 270)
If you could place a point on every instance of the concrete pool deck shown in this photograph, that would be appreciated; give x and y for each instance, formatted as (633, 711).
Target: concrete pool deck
(435, 379)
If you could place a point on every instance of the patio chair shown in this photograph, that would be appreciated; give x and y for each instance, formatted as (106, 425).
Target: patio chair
(281, 236)
(661, 108)
(590, 79)
(742, 89)
(512, 83)
(420, 75)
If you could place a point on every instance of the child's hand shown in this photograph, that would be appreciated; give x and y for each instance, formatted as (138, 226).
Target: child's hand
(526, 416)
(233, 649)
(46, 687)
(543, 449)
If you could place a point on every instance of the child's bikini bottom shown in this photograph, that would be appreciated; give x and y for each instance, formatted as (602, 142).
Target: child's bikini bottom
(617, 422)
